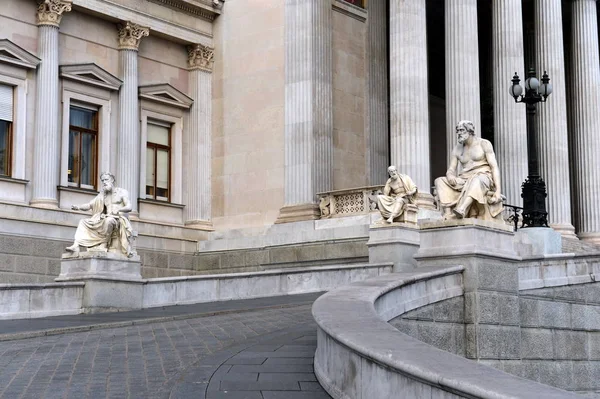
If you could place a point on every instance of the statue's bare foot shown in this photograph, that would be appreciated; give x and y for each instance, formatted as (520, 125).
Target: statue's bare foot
(72, 248)
(390, 220)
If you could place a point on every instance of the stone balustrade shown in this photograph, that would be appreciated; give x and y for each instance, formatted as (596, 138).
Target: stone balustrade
(349, 202)
(360, 355)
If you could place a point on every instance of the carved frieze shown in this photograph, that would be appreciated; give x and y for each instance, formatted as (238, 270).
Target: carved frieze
(201, 57)
(130, 35)
(50, 12)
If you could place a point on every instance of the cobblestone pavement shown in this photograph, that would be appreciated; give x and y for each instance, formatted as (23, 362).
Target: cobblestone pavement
(140, 361)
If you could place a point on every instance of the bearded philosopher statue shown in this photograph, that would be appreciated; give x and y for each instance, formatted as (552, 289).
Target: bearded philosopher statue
(109, 229)
(471, 187)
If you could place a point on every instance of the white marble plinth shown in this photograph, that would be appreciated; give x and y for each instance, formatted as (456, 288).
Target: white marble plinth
(465, 237)
(394, 243)
(99, 264)
(532, 241)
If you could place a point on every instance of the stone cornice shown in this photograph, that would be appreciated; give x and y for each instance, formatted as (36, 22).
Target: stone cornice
(90, 74)
(200, 57)
(50, 12)
(130, 35)
(164, 93)
(201, 9)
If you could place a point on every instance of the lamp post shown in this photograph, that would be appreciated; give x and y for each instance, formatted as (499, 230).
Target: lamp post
(533, 189)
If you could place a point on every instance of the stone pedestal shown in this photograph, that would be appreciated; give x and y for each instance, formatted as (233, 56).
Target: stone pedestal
(491, 281)
(396, 243)
(99, 264)
(532, 241)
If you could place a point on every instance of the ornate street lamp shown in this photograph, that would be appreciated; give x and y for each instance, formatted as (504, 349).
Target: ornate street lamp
(533, 189)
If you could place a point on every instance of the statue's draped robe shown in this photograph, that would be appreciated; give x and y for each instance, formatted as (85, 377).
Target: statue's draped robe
(475, 180)
(395, 197)
(100, 227)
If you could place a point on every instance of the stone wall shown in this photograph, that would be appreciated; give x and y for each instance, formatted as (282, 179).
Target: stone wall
(349, 53)
(558, 344)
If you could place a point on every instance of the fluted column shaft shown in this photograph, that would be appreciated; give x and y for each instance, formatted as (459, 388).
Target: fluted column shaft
(462, 67)
(409, 102)
(510, 123)
(308, 106)
(377, 94)
(551, 119)
(46, 154)
(198, 154)
(585, 102)
(128, 136)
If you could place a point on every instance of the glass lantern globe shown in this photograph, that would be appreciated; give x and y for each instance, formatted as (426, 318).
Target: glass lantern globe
(532, 84)
(516, 90)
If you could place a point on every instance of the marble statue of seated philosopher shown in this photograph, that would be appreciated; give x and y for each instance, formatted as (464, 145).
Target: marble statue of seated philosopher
(471, 187)
(399, 191)
(109, 229)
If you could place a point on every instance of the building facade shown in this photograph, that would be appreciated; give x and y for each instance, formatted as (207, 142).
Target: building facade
(227, 115)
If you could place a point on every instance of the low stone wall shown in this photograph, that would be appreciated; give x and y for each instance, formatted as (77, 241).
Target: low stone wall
(40, 300)
(359, 354)
(102, 294)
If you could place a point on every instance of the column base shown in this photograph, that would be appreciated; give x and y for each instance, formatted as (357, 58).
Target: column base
(590, 238)
(565, 230)
(297, 213)
(199, 224)
(45, 203)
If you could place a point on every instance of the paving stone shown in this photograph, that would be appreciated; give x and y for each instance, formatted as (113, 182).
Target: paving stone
(303, 360)
(274, 368)
(260, 386)
(286, 377)
(233, 376)
(296, 395)
(246, 360)
(311, 386)
(234, 395)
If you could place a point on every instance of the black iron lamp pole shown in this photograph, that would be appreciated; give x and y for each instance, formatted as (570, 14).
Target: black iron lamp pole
(533, 189)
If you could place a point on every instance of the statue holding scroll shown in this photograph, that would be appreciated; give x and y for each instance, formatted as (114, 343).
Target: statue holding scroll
(399, 191)
(109, 228)
(471, 187)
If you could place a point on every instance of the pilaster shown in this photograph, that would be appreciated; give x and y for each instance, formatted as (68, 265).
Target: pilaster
(551, 118)
(462, 67)
(128, 134)
(47, 108)
(409, 102)
(585, 89)
(510, 124)
(308, 107)
(197, 151)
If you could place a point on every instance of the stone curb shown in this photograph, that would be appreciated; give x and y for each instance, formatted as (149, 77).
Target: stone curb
(101, 326)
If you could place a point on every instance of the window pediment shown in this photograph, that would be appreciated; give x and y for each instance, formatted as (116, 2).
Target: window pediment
(10, 53)
(91, 74)
(165, 94)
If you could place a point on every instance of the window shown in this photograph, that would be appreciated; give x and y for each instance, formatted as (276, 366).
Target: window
(6, 120)
(83, 139)
(358, 3)
(158, 161)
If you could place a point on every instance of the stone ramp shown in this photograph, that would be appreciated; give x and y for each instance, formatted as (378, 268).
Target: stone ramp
(29, 328)
(572, 245)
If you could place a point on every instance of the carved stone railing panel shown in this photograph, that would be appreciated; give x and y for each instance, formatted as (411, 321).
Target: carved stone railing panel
(349, 202)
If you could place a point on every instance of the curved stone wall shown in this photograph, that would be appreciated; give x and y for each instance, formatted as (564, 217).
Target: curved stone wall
(360, 355)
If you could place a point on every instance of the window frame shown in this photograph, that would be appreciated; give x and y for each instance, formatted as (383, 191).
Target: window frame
(9, 148)
(96, 134)
(156, 147)
(80, 95)
(18, 127)
(173, 118)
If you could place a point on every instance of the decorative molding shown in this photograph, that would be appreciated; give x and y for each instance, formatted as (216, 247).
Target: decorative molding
(130, 35)
(201, 57)
(90, 74)
(350, 10)
(165, 94)
(206, 10)
(50, 12)
(10, 53)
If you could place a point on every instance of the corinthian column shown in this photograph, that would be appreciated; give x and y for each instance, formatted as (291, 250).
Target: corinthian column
(377, 94)
(409, 102)
(462, 67)
(46, 155)
(198, 138)
(308, 107)
(553, 152)
(510, 123)
(128, 134)
(585, 86)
